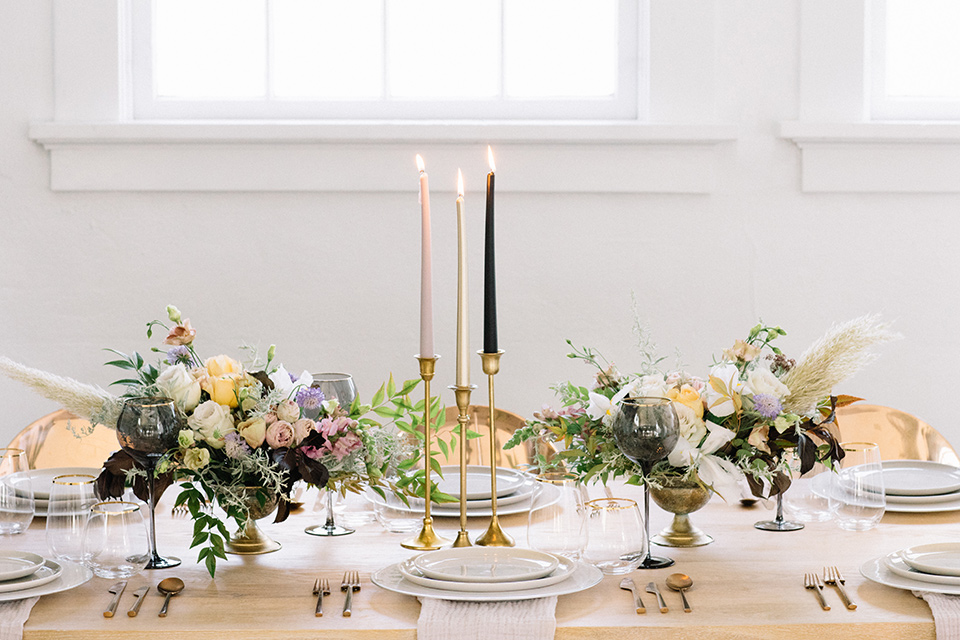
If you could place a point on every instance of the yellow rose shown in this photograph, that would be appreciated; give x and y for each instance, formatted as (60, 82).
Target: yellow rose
(221, 365)
(688, 396)
(222, 389)
(253, 431)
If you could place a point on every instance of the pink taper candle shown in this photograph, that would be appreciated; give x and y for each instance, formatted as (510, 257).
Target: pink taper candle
(426, 268)
(463, 337)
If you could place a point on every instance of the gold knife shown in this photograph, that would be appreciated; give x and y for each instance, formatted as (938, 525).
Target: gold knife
(139, 593)
(117, 591)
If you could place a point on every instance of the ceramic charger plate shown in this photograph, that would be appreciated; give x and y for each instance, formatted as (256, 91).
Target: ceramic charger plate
(73, 575)
(486, 564)
(41, 480)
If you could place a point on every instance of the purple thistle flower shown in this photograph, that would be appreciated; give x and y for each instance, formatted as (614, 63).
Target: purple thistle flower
(236, 446)
(179, 355)
(767, 405)
(310, 398)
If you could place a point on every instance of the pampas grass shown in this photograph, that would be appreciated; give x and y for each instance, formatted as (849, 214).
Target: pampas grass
(87, 401)
(836, 356)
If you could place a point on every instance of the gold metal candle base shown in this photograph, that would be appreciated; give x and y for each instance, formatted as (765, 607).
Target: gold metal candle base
(494, 536)
(462, 394)
(428, 540)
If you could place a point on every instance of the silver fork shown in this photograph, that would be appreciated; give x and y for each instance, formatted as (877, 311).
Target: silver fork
(812, 581)
(321, 588)
(832, 576)
(350, 583)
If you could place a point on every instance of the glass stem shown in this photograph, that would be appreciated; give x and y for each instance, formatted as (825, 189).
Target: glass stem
(330, 525)
(151, 496)
(780, 507)
(646, 517)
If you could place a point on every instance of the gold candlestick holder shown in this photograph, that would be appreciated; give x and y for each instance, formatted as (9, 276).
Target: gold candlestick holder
(494, 536)
(462, 394)
(427, 540)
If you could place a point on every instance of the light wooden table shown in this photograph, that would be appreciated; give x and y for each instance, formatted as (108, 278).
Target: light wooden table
(748, 585)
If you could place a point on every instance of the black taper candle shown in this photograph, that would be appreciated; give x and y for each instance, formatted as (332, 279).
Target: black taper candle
(490, 275)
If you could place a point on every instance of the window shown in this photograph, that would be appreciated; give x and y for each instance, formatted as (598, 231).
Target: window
(383, 59)
(915, 60)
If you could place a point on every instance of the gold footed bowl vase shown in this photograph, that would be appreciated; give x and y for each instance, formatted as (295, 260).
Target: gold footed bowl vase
(251, 540)
(681, 497)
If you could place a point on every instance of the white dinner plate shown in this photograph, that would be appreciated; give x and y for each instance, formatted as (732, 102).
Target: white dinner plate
(48, 572)
(562, 572)
(486, 564)
(941, 558)
(478, 481)
(73, 575)
(934, 499)
(877, 571)
(525, 491)
(17, 564)
(895, 563)
(583, 577)
(41, 480)
(452, 509)
(919, 478)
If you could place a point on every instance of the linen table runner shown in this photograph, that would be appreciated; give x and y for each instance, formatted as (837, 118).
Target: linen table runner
(13, 615)
(946, 613)
(521, 620)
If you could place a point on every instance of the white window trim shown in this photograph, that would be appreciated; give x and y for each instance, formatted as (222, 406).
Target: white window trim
(94, 144)
(841, 150)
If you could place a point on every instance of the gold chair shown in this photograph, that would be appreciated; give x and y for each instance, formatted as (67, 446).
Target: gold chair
(478, 449)
(900, 435)
(58, 440)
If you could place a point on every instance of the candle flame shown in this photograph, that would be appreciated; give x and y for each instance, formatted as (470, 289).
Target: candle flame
(493, 168)
(459, 183)
(420, 166)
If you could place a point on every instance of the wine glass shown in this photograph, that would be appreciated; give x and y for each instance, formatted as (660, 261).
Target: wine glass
(339, 387)
(646, 430)
(147, 429)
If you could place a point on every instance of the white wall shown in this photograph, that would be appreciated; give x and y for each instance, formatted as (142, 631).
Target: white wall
(333, 278)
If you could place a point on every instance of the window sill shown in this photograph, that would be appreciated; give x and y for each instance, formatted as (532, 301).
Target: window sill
(877, 157)
(362, 156)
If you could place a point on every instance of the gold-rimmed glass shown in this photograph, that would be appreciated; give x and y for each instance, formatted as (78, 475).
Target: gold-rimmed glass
(71, 497)
(115, 542)
(557, 524)
(16, 492)
(615, 538)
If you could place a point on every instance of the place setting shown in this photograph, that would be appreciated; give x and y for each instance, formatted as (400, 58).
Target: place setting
(931, 567)
(920, 486)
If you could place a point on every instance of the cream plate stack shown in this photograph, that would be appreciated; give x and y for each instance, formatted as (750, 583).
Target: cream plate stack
(41, 481)
(918, 486)
(487, 574)
(514, 494)
(24, 575)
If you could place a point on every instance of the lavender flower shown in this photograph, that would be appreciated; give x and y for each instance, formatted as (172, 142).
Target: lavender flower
(236, 446)
(767, 405)
(310, 398)
(179, 355)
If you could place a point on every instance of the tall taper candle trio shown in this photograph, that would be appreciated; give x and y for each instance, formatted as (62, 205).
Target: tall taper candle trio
(489, 356)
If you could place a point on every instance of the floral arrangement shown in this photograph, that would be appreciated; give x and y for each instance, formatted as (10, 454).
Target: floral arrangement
(738, 421)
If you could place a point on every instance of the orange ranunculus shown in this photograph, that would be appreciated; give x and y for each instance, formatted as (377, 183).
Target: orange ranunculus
(222, 365)
(688, 396)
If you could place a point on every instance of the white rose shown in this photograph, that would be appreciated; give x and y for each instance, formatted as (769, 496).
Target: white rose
(692, 428)
(177, 383)
(652, 386)
(289, 411)
(761, 380)
(213, 422)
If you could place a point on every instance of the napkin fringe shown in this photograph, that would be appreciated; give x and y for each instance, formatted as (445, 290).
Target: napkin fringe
(13, 615)
(518, 620)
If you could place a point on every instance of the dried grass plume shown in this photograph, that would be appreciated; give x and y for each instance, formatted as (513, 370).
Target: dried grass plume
(87, 401)
(836, 356)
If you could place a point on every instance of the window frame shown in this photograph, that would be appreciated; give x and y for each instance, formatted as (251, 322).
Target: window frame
(626, 103)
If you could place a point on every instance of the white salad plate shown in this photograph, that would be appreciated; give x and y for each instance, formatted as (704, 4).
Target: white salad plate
(934, 499)
(17, 564)
(41, 480)
(551, 494)
(48, 572)
(877, 571)
(486, 564)
(919, 478)
(73, 575)
(895, 563)
(941, 558)
(582, 578)
(478, 482)
(524, 492)
(563, 571)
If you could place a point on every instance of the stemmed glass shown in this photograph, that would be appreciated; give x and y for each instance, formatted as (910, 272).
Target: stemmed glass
(147, 429)
(339, 387)
(646, 431)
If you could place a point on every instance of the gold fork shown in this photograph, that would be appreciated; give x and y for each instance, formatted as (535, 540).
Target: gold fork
(350, 583)
(321, 588)
(812, 581)
(832, 576)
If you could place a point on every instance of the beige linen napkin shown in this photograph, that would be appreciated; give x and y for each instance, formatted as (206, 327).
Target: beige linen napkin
(13, 615)
(946, 613)
(521, 620)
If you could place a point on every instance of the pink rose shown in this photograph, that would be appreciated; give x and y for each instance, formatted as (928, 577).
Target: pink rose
(303, 427)
(280, 434)
(288, 410)
(270, 418)
(346, 444)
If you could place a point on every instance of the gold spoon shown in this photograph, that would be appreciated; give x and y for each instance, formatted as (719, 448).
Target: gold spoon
(679, 582)
(169, 587)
